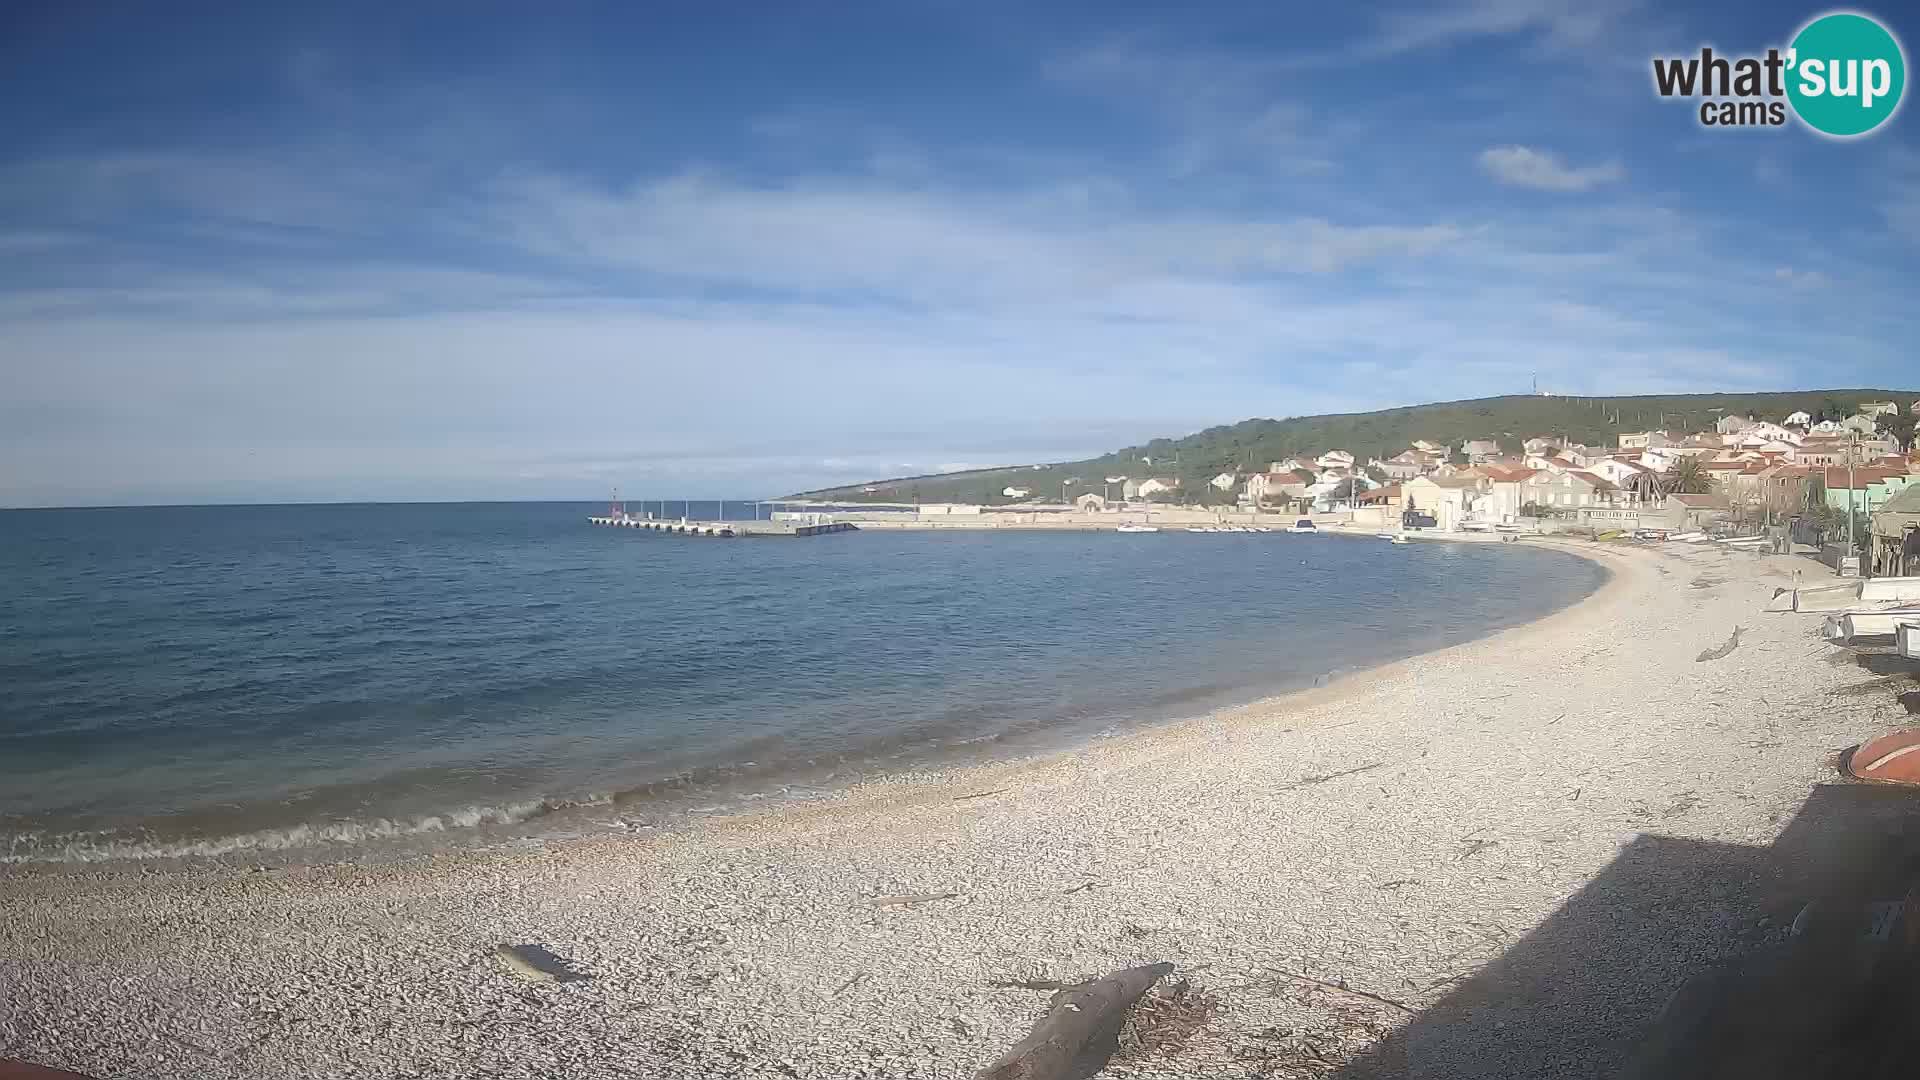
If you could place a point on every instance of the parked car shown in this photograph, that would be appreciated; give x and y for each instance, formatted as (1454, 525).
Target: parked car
(1416, 519)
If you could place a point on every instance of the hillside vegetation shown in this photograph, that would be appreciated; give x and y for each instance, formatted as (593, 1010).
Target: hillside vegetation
(1250, 445)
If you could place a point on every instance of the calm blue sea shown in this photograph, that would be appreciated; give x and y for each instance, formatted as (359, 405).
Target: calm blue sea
(310, 679)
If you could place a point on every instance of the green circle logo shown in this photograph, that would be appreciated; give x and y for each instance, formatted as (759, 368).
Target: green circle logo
(1845, 74)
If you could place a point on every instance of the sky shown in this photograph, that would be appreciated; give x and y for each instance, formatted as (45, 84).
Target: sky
(347, 251)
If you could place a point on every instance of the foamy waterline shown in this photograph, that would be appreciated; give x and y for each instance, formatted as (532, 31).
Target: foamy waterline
(111, 846)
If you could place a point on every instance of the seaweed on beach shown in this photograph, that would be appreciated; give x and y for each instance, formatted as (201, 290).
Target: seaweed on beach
(1167, 1018)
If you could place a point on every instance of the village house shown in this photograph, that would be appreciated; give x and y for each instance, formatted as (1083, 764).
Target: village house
(1297, 463)
(1334, 459)
(1865, 425)
(1091, 503)
(1158, 485)
(1505, 495)
(1225, 481)
(1480, 450)
(1554, 460)
(1832, 450)
(1763, 432)
(1647, 440)
(1895, 530)
(1567, 490)
(1277, 486)
(1409, 463)
(1723, 470)
(1820, 451)
(1691, 511)
(1621, 472)
(1799, 419)
(1016, 492)
(1784, 489)
(1450, 499)
(1865, 489)
(1388, 498)
(1440, 449)
(1879, 408)
(1733, 425)
(1914, 409)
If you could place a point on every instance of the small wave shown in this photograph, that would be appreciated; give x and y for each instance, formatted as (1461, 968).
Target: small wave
(44, 847)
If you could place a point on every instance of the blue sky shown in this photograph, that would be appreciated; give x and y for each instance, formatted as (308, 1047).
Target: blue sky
(347, 251)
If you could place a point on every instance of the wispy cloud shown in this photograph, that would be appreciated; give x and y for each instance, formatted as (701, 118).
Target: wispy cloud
(1556, 23)
(1522, 166)
(1800, 279)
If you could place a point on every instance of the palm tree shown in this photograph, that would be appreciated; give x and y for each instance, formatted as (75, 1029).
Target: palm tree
(1687, 477)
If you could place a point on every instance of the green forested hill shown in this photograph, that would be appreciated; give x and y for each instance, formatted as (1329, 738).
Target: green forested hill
(1249, 445)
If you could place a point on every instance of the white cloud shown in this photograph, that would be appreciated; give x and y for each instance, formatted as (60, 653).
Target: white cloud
(1523, 166)
(1800, 279)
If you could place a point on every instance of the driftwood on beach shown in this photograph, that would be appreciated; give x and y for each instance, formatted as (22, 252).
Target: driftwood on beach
(1080, 1031)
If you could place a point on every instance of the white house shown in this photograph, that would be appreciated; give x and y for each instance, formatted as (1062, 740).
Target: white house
(1335, 459)
(1765, 431)
(1861, 423)
(1800, 418)
(1570, 489)
(1877, 408)
(1426, 447)
(1828, 427)
(1646, 440)
(1622, 474)
(1450, 499)
(1016, 492)
(1733, 425)
(1275, 486)
(1156, 484)
(1226, 481)
(1480, 450)
(1554, 460)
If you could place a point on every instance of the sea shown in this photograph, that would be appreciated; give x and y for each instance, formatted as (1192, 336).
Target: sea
(327, 682)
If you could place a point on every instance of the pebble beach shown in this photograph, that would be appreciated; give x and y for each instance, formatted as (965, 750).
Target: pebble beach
(1493, 860)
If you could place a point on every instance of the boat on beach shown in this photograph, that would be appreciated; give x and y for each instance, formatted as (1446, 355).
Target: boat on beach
(1138, 528)
(1848, 626)
(1303, 525)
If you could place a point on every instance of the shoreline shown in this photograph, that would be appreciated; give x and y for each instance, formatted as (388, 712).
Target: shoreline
(1420, 833)
(682, 803)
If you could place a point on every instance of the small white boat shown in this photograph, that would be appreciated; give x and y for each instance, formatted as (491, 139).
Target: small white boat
(1848, 626)
(1890, 588)
(1383, 536)
(1303, 525)
(1399, 540)
(1138, 529)
(1195, 528)
(1907, 639)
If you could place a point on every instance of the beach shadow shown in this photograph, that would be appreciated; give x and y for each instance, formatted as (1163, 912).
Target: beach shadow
(1579, 996)
(535, 962)
(1886, 663)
